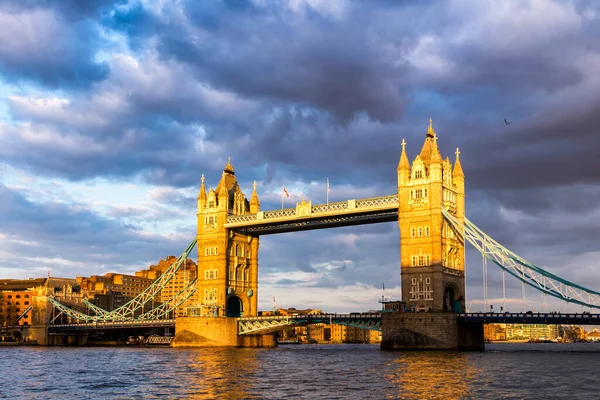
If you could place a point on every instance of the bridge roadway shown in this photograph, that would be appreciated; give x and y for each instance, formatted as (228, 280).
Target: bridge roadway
(269, 324)
(531, 318)
(306, 216)
(94, 326)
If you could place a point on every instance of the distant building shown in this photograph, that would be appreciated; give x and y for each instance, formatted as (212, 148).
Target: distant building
(186, 274)
(112, 290)
(25, 301)
(501, 332)
(594, 335)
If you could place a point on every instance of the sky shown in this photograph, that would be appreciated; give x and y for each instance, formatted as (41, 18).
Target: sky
(110, 112)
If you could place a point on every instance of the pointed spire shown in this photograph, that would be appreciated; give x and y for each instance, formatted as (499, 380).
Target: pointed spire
(458, 171)
(430, 131)
(428, 146)
(254, 203)
(403, 164)
(436, 157)
(202, 194)
(222, 185)
(228, 167)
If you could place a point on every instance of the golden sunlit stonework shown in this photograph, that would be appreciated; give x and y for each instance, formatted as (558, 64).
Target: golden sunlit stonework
(227, 261)
(432, 257)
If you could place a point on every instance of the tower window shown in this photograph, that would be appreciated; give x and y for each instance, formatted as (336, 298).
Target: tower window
(418, 174)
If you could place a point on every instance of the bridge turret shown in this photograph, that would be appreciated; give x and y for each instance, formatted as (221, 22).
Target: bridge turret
(403, 167)
(202, 196)
(435, 166)
(254, 203)
(223, 194)
(458, 177)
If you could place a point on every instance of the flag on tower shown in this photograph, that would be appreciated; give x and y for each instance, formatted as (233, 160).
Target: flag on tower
(286, 192)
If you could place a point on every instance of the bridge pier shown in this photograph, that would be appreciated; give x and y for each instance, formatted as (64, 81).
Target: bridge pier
(216, 332)
(429, 331)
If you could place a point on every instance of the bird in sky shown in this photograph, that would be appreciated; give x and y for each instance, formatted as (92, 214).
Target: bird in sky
(506, 122)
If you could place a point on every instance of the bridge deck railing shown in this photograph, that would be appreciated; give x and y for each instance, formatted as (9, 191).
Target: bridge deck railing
(306, 210)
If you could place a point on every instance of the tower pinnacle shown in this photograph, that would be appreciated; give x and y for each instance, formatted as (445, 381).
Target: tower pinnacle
(430, 131)
(403, 165)
(458, 171)
(228, 167)
(202, 194)
(254, 203)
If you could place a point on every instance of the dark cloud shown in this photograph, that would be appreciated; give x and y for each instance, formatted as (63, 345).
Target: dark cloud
(41, 45)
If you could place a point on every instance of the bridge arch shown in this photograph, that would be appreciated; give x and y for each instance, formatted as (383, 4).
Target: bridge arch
(235, 307)
(453, 298)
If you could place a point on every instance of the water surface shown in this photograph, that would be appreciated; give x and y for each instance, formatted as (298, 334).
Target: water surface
(504, 371)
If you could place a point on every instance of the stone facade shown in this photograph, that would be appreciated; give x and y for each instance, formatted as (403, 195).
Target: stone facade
(432, 256)
(227, 261)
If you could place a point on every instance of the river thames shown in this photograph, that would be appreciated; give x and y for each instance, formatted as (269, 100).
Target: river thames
(503, 371)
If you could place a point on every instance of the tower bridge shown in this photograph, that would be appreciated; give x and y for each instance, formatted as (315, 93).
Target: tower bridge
(429, 207)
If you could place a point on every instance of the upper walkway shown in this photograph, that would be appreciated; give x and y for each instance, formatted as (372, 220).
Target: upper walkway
(305, 216)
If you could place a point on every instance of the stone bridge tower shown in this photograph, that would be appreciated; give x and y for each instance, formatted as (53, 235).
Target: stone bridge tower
(432, 256)
(227, 261)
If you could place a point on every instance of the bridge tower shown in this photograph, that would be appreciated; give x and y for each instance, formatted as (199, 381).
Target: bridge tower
(227, 261)
(432, 258)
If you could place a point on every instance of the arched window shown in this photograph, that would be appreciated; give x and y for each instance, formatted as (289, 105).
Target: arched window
(26, 296)
(18, 296)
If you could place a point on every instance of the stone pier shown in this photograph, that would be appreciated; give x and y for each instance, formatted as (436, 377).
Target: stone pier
(429, 331)
(215, 332)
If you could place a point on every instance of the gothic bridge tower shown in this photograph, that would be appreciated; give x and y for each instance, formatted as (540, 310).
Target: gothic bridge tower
(432, 256)
(227, 261)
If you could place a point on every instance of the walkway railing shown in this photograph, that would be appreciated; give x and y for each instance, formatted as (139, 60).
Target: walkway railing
(307, 211)
(532, 318)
